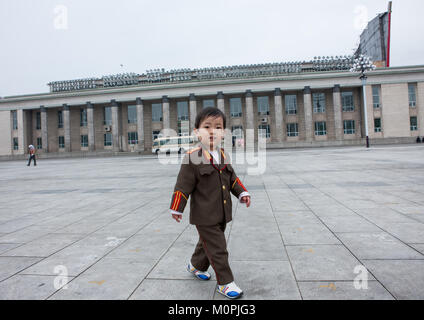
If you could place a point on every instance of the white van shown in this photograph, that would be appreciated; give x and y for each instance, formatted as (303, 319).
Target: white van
(167, 145)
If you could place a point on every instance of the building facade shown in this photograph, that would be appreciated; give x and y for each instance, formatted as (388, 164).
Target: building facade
(301, 106)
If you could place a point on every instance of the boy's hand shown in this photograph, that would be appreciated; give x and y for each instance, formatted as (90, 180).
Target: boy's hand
(177, 217)
(245, 199)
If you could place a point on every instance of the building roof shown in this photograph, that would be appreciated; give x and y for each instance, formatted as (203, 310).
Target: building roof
(318, 64)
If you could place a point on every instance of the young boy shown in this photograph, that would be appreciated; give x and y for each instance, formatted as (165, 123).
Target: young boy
(208, 178)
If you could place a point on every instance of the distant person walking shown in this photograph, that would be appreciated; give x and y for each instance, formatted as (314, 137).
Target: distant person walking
(31, 155)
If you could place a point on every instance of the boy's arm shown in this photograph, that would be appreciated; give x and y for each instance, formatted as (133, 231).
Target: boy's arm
(186, 181)
(237, 187)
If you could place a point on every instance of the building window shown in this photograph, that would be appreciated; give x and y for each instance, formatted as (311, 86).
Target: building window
(413, 122)
(15, 120)
(15, 143)
(84, 141)
(318, 100)
(132, 138)
(182, 110)
(61, 142)
(412, 94)
(263, 106)
(132, 114)
(83, 117)
(320, 128)
(264, 131)
(377, 125)
(292, 130)
(235, 107)
(375, 97)
(156, 111)
(155, 134)
(237, 133)
(347, 102)
(349, 126)
(107, 119)
(291, 103)
(59, 119)
(38, 120)
(183, 128)
(107, 139)
(39, 143)
(208, 103)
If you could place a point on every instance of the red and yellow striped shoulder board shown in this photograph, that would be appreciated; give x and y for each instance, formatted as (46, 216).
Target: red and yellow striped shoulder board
(192, 150)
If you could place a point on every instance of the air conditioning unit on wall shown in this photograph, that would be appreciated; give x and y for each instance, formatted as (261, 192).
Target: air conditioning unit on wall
(264, 119)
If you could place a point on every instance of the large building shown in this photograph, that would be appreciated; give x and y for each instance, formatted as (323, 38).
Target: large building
(314, 103)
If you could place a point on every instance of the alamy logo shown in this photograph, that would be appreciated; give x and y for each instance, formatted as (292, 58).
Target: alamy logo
(361, 280)
(60, 21)
(61, 281)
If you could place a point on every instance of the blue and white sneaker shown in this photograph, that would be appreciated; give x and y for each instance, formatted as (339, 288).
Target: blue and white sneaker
(230, 290)
(202, 275)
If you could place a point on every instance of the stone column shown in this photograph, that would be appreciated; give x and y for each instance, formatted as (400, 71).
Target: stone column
(44, 133)
(220, 101)
(337, 103)
(193, 111)
(251, 131)
(67, 127)
(90, 124)
(249, 110)
(140, 124)
(115, 126)
(307, 103)
(420, 107)
(278, 107)
(22, 131)
(165, 112)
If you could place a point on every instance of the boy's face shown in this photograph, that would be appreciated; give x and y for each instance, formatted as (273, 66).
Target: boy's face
(211, 131)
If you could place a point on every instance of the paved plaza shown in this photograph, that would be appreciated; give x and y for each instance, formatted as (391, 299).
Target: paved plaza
(321, 223)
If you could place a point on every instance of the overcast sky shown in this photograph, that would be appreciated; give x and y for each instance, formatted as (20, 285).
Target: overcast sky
(46, 40)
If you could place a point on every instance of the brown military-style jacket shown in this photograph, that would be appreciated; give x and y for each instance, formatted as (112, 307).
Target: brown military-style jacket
(208, 185)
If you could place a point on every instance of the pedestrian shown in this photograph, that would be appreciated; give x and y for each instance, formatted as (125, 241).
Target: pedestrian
(207, 177)
(31, 151)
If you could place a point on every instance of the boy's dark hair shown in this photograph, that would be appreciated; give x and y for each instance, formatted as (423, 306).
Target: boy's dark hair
(209, 112)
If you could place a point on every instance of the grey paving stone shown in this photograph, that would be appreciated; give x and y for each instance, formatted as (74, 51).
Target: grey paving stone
(377, 245)
(27, 234)
(107, 279)
(264, 280)
(76, 257)
(324, 210)
(419, 247)
(4, 247)
(322, 262)
(142, 247)
(342, 290)
(44, 246)
(403, 278)
(256, 246)
(383, 215)
(29, 287)
(152, 289)
(349, 224)
(304, 232)
(411, 232)
(12, 265)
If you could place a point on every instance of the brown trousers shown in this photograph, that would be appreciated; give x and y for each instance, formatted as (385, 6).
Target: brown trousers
(212, 250)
